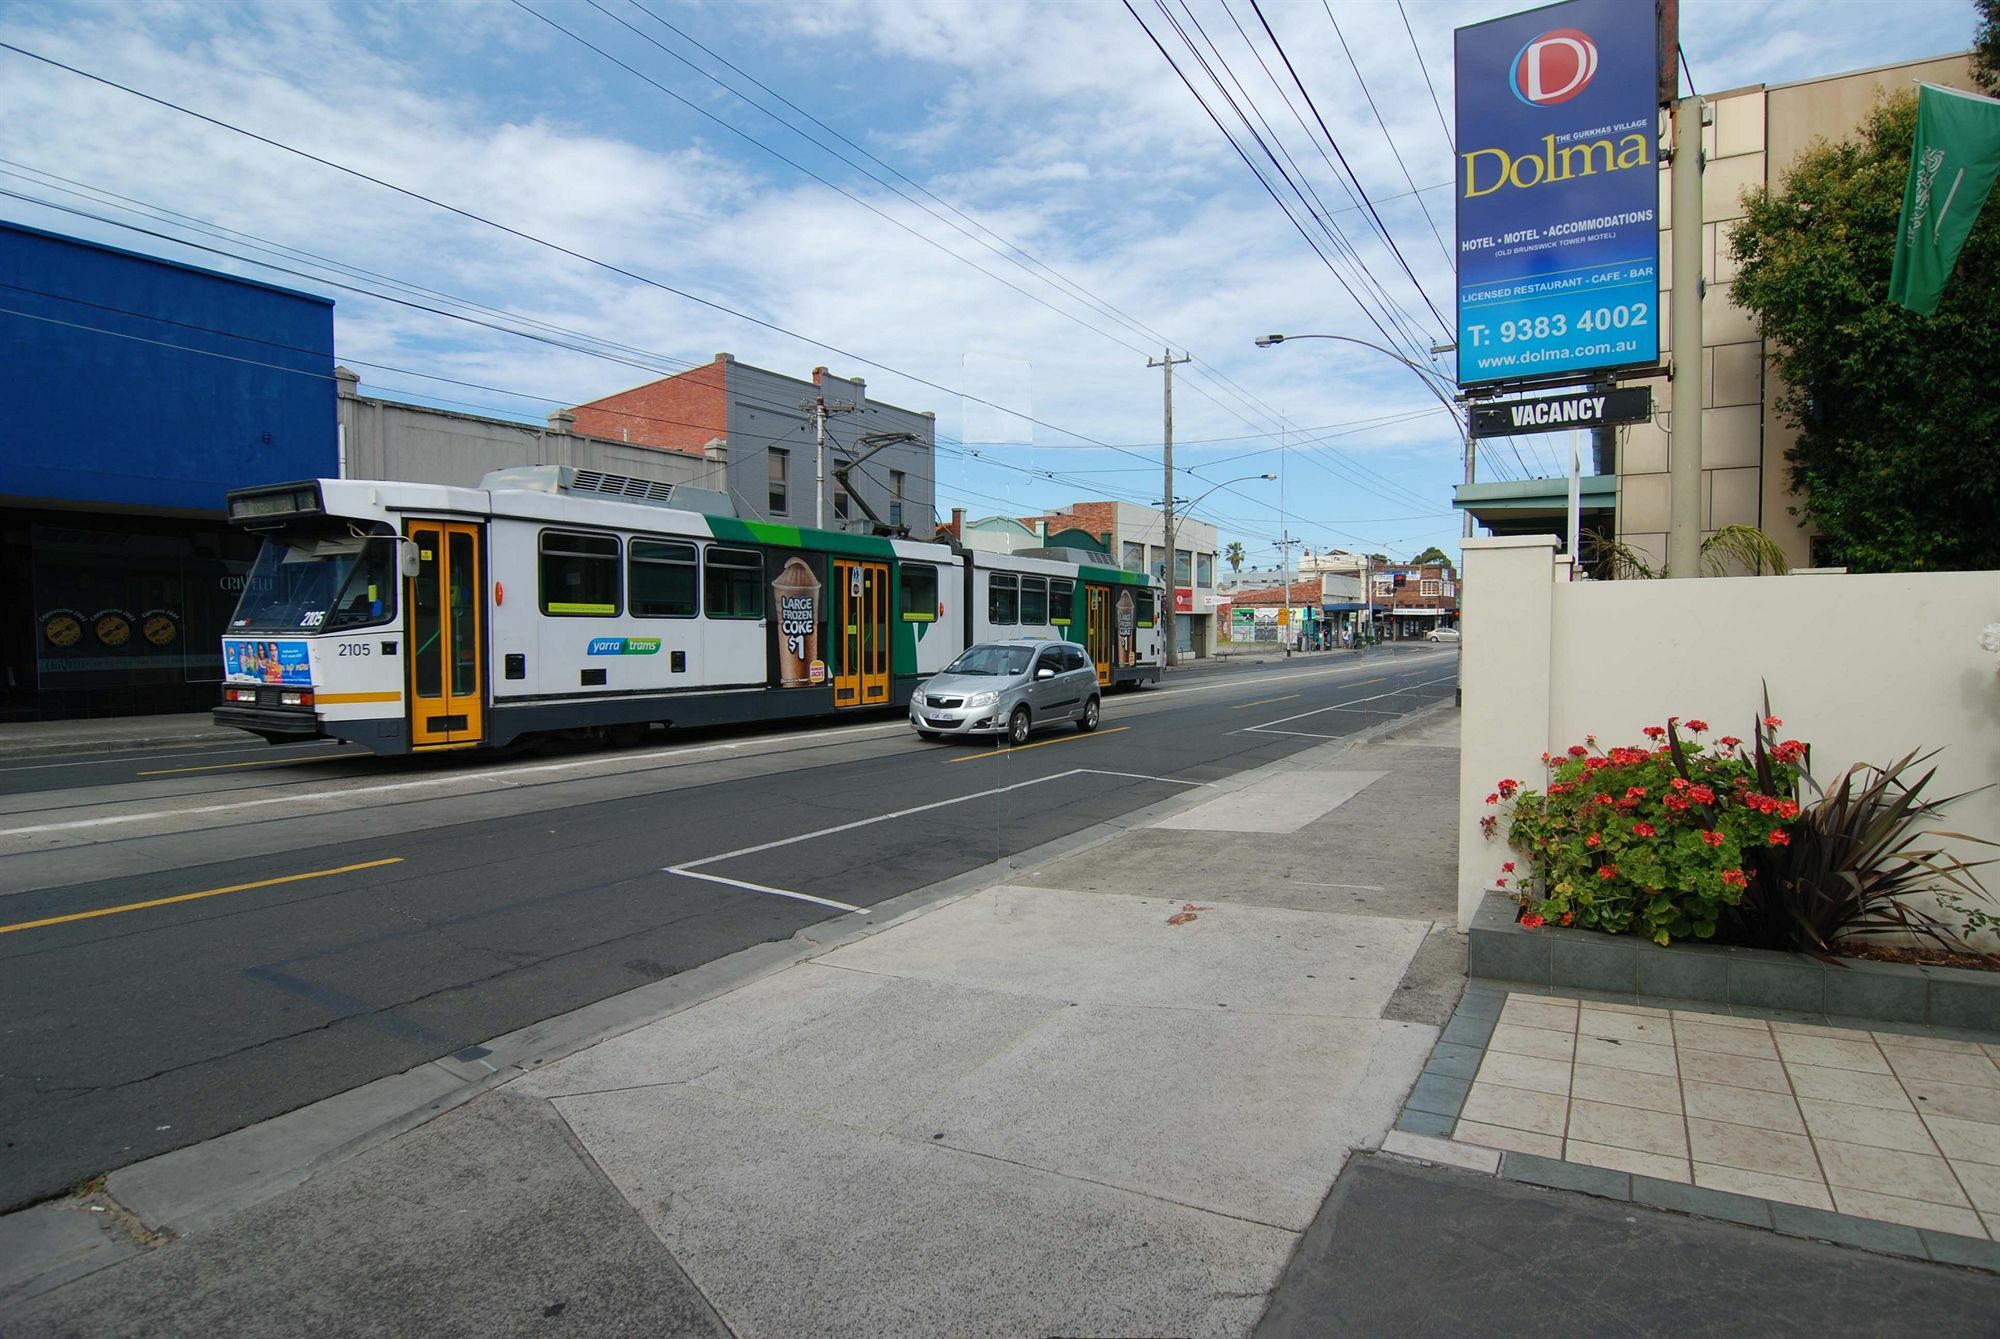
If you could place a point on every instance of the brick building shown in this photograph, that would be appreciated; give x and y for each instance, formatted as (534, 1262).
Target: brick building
(759, 425)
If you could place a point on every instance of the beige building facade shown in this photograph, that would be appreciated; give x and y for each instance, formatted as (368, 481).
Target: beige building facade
(1755, 135)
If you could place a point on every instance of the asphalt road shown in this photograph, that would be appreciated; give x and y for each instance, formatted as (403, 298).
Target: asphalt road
(234, 936)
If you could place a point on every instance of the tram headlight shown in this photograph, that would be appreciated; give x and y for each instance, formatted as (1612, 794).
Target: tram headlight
(982, 700)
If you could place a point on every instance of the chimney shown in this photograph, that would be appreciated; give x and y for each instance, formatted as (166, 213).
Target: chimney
(561, 421)
(348, 381)
(819, 376)
(958, 521)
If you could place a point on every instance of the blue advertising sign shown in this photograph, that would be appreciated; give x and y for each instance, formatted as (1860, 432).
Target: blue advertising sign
(1558, 192)
(285, 663)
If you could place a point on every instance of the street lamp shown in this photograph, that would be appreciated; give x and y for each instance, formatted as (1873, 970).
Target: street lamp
(1429, 376)
(1167, 516)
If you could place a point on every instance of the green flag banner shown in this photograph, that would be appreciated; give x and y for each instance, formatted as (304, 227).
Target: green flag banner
(1952, 166)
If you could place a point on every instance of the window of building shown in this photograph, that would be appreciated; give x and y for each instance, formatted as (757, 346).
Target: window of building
(1183, 568)
(1062, 601)
(779, 463)
(896, 502)
(1035, 601)
(1145, 608)
(1430, 586)
(579, 574)
(917, 590)
(1156, 561)
(840, 503)
(1003, 599)
(1133, 557)
(734, 583)
(660, 579)
(1204, 569)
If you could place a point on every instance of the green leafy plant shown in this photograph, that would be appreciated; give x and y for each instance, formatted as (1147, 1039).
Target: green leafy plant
(1651, 839)
(1860, 856)
(1732, 550)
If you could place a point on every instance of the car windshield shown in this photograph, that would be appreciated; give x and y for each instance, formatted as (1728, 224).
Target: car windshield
(305, 583)
(1001, 660)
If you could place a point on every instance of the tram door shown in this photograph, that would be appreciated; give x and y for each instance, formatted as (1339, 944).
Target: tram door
(1098, 634)
(861, 667)
(446, 603)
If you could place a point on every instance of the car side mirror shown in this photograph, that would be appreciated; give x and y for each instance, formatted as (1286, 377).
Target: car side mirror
(408, 560)
(1045, 673)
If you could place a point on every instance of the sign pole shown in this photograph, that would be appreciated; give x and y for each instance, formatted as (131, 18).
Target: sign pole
(1684, 445)
(1575, 499)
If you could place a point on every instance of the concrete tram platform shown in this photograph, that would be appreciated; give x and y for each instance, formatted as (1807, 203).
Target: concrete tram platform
(1128, 1086)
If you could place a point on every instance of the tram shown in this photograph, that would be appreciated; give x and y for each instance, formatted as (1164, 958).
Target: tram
(409, 618)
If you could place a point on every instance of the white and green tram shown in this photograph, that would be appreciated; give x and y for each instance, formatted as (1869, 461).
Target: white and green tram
(415, 617)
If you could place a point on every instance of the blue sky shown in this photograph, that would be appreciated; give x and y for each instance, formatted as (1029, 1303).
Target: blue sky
(1108, 215)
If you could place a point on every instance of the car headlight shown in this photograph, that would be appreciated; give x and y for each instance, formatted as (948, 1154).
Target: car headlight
(982, 699)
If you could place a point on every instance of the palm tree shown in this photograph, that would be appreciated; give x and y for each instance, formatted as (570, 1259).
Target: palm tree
(1234, 553)
(1730, 550)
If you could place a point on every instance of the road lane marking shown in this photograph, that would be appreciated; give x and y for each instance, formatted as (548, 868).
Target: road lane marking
(255, 762)
(1017, 748)
(192, 897)
(688, 869)
(1266, 701)
(1338, 706)
(105, 759)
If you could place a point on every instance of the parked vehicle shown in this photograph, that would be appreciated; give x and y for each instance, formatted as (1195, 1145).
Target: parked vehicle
(1449, 635)
(1009, 688)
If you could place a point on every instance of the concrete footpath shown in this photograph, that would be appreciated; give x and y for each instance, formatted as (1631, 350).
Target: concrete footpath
(1108, 1094)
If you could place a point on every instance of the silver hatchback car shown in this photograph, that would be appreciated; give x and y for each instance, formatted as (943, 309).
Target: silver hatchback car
(1008, 688)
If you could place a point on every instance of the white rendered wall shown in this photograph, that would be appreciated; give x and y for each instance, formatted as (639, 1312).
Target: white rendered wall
(1863, 668)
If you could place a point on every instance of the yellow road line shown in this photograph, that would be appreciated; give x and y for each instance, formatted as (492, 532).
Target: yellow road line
(190, 897)
(1001, 753)
(255, 762)
(1365, 682)
(1261, 701)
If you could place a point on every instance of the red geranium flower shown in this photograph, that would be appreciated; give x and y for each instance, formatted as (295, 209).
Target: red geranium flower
(1698, 726)
(1488, 823)
(1712, 838)
(1788, 809)
(1644, 830)
(1734, 878)
(1680, 783)
(1530, 921)
(1493, 798)
(1499, 883)
(1729, 741)
(1591, 840)
(1773, 722)
(1607, 871)
(1577, 750)
(1507, 868)
(1655, 731)
(1780, 837)
(1508, 787)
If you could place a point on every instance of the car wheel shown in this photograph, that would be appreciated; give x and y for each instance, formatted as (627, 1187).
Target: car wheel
(929, 736)
(1017, 726)
(1088, 721)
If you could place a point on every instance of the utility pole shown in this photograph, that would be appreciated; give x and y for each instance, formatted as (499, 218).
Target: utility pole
(1167, 496)
(820, 408)
(1684, 446)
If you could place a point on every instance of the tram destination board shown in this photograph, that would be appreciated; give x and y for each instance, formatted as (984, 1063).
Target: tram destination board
(1558, 413)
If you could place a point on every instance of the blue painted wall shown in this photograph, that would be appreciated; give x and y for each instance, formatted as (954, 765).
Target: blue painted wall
(129, 380)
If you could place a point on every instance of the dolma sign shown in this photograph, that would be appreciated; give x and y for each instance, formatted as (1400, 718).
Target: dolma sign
(1558, 192)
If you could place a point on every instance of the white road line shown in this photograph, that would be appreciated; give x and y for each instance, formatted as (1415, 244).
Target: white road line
(1266, 727)
(140, 755)
(687, 870)
(766, 888)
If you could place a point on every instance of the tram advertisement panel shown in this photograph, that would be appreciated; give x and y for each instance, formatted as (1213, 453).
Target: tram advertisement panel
(798, 622)
(286, 663)
(1558, 191)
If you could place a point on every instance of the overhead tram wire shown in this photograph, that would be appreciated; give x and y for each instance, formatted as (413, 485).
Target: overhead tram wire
(1418, 341)
(1451, 142)
(607, 266)
(1397, 153)
(1268, 189)
(574, 341)
(1380, 226)
(801, 168)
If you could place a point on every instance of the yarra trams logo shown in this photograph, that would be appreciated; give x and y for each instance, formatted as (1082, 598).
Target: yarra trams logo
(1554, 68)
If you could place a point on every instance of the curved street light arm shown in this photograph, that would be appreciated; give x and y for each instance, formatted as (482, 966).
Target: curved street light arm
(1429, 375)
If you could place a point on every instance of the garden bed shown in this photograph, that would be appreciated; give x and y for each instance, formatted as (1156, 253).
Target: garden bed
(1893, 992)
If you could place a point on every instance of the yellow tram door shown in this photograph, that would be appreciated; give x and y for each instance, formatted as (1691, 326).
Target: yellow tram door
(1098, 634)
(446, 604)
(861, 669)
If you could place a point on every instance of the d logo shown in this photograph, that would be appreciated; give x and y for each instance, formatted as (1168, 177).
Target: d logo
(1554, 68)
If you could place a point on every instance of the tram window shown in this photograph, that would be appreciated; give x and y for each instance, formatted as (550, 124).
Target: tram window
(1062, 602)
(917, 593)
(661, 579)
(579, 574)
(1035, 601)
(1003, 598)
(1144, 608)
(734, 584)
